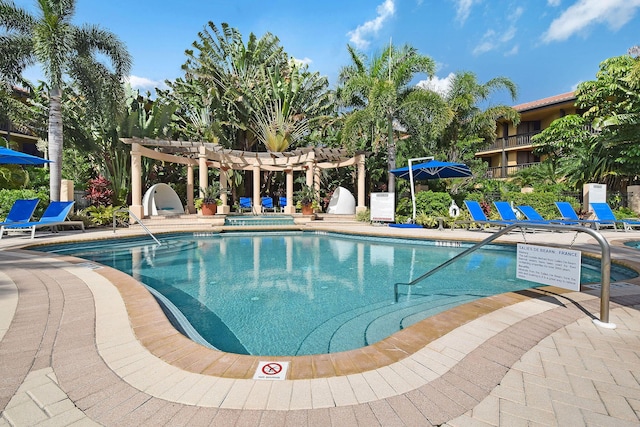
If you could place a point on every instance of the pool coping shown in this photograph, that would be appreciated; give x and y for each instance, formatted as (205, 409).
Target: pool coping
(154, 331)
(117, 295)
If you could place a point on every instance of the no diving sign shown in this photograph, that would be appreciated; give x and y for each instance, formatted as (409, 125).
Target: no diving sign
(271, 371)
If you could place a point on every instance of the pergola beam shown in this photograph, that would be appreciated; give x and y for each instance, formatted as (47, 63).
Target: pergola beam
(205, 155)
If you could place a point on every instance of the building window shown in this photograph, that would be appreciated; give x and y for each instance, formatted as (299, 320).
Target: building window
(529, 127)
(525, 157)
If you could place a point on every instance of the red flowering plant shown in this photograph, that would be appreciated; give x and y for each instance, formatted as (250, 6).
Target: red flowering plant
(99, 192)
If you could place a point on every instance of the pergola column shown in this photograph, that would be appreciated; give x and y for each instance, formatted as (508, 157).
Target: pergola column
(257, 201)
(136, 183)
(291, 207)
(316, 178)
(224, 208)
(190, 207)
(309, 174)
(361, 183)
(203, 171)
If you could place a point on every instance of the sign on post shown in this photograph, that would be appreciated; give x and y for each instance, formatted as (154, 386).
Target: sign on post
(549, 266)
(383, 207)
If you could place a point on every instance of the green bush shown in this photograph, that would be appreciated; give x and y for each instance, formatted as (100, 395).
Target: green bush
(8, 197)
(103, 215)
(429, 203)
(363, 216)
(624, 212)
(541, 201)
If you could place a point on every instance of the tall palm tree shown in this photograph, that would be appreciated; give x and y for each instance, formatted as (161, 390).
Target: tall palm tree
(471, 127)
(63, 50)
(379, 95)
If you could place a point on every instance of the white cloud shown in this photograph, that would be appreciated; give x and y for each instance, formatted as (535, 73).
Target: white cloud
(436, 84)
(143, 83)
(488, 43)
(303, 61)
(514, 51)
(553, 3)
(358, 36)
(585, 13)
(491, 40)
(463, 9)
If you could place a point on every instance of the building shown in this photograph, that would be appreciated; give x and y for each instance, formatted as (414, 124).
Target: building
(19, 139)
(513, 150)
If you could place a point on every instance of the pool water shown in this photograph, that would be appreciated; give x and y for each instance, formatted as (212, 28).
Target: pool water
(633, 244)
(295, 293)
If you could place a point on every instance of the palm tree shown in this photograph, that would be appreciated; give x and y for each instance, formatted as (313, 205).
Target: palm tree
(380, 97)
(471, 127)
(225, 70)
(63, 50)
(293, 99)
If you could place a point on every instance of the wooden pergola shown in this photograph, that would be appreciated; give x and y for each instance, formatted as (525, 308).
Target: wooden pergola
(205, 155)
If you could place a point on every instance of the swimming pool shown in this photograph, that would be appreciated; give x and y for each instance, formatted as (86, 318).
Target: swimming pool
(298, 293)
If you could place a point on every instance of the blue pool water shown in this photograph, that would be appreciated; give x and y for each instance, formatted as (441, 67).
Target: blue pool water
(633, 244)
(304, 293)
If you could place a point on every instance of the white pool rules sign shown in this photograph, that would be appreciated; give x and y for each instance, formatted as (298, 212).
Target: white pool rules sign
(549, 266)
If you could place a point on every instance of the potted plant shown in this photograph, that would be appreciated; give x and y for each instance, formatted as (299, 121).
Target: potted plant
(208, 204)
(307, 198)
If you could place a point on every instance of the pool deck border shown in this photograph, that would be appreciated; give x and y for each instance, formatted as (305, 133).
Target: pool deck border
(122, 352)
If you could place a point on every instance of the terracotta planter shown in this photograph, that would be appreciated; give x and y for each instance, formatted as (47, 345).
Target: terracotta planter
(209, 209)
(307, 209)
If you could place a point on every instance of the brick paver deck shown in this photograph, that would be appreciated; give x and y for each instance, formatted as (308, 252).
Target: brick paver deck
(86, 347)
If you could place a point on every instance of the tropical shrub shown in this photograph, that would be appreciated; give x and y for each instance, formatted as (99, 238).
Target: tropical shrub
(363, 216)
(624, 212)
(99, 192)
(103, 215)
(429, 203)
(8, 197)
(541, 201)
(426, 220)
(13, 176)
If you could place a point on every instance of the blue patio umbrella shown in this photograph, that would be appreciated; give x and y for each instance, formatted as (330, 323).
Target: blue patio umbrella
(433, 169)
(12, 157)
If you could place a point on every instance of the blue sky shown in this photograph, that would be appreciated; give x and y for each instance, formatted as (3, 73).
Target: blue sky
(545, 46)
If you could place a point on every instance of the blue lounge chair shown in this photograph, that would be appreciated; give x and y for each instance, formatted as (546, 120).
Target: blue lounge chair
(606, 217)
(567, 213)
(506, 212)
(282, 202)
(267, 204)
(21, 211)
(478, 217)
(245, 204)
(54, 216)
(533, 215)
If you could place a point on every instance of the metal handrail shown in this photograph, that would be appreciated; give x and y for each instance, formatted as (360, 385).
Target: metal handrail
(605, 261)
(137, 219)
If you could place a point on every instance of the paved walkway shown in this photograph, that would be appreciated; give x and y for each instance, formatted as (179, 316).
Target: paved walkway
(71, 354)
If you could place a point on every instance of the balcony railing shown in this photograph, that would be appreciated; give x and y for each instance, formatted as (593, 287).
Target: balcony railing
(507, 171)
(8, 127)
(513, 141)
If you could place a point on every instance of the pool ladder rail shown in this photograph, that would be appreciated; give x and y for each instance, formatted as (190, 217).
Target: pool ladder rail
(605, 262)
(138, 221)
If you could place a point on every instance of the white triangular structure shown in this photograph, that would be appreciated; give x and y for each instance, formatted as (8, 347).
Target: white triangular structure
(160, 199)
